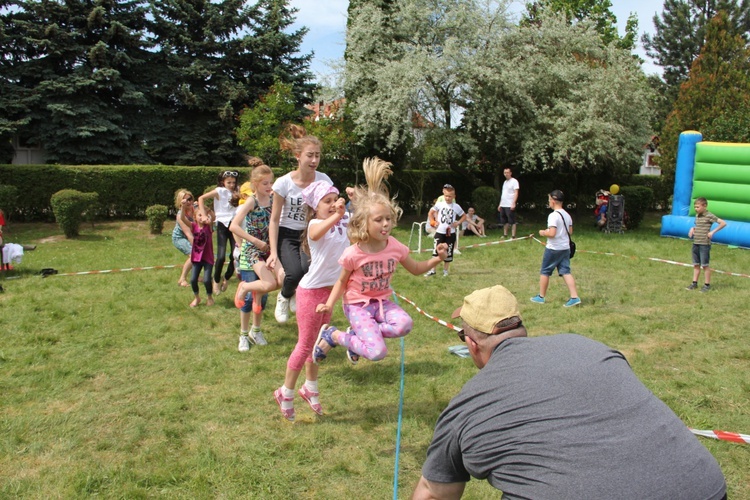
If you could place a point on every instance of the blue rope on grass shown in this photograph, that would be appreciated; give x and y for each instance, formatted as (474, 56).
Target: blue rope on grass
(400, 414)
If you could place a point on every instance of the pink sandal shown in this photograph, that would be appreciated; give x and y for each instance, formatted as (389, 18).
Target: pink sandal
(279, 397)
(307, 394)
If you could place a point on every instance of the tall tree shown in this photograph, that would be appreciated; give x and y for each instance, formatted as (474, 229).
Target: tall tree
(72, 78)
(554, 96)
(680, 31)
(716, 97)
(598, 12)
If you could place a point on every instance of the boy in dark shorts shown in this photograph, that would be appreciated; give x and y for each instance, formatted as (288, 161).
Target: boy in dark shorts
(449, 215)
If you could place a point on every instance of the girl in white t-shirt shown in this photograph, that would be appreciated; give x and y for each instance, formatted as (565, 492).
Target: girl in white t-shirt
(226, 198)
(326, 239)
(288, 215)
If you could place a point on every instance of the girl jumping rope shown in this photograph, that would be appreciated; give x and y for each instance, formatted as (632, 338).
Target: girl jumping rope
(288, 215)
(325, 239)
(250, 224)
(226, 198)
(202, 253)
(367, 267)
(182, 235)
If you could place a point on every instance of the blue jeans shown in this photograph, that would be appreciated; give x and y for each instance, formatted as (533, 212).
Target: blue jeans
(206, 268)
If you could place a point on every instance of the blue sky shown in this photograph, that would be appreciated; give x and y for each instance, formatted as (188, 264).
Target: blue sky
(326, 20)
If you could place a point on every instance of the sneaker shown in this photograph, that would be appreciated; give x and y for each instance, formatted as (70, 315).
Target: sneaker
(282, 309)
(306, 394)
(538, 299)
(325, 333)
(445, 273)
(429, 273)
(691, 286)
(293, 303)
(706, 288)
(572, 302)
(244, 344)
(257, 303)
(286, 413)
(257, 337)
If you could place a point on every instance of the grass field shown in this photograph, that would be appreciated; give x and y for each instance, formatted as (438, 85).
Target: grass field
(111, 386)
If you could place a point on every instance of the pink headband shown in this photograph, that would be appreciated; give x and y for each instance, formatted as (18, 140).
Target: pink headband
(315, 192)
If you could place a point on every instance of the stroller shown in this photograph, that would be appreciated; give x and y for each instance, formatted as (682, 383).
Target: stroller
(615, 214)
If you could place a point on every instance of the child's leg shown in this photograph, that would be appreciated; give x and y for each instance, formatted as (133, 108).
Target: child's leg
(222, 235)
(196, 270)
(207, 282)
(696, 273)
(230, 267)
(308, 325)
(186, 267)
(366, 339)
(707, 275)
(396, 322)
(571, 282)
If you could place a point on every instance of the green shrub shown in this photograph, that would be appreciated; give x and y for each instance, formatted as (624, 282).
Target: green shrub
(69, 206)
(485, 199)
(156, 215)
(8, 198)
(637, 202)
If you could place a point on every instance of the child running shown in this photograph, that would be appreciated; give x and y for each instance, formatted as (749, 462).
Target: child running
(226, 198)
(202, 253)
(182, 236)
(367, 267)
(250, 223)
(325, 239)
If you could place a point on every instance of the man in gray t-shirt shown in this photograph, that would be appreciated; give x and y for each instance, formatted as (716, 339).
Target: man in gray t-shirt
(558, 417)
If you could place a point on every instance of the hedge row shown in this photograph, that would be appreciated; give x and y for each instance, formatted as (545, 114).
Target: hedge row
(125, 191)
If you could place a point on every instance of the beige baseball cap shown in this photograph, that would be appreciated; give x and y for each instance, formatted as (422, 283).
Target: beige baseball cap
(485, 308)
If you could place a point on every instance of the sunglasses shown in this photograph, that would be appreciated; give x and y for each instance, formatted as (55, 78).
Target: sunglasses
(462, 334)
(230, 173)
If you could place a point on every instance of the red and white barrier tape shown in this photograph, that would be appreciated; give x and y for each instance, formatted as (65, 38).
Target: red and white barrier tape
(723, 436)
(489, 243)
(107, 271)
(424, 313)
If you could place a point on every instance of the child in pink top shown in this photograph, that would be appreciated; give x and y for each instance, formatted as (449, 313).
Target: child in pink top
(202, 253)
(365, 279)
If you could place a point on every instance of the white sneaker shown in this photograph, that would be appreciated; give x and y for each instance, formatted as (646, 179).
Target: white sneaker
(429, 273)
(282, 309)
(293, 303)
(445, 273)
(244, 344)
(257, 337)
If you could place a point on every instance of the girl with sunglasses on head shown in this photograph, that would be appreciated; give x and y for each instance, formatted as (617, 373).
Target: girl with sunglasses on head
(226, 197)
(182, 234)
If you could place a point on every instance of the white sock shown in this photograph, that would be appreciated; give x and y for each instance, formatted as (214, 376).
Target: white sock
(312, 386)
(244, 333)
(255, 328)
(287, 393)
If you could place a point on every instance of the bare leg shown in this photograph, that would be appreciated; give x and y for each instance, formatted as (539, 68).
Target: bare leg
(543, 284)
(185, 270)
(571, 282)
(696, 273)
(707, 275)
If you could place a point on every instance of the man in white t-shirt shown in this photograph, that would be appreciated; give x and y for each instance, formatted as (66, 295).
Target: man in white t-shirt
(507, 207)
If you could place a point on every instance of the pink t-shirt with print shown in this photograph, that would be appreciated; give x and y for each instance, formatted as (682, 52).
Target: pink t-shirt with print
(371, 273)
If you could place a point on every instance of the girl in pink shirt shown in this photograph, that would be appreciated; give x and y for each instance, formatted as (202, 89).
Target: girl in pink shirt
(365, 279)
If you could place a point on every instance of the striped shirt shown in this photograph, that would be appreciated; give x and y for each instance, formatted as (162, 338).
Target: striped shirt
(703, 223)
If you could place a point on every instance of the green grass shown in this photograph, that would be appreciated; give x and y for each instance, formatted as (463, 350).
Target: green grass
(111, 386)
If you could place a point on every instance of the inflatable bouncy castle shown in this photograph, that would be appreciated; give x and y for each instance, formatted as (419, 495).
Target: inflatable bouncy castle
(719, 172)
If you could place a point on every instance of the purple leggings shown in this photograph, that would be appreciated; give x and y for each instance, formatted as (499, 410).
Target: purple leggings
(371, 323)
(308, 324)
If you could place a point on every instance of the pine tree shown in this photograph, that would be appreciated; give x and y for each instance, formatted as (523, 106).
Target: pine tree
(75, 77)
(715, 99)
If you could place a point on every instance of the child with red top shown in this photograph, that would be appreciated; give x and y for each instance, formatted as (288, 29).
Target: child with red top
(202, 253)
(365, 279)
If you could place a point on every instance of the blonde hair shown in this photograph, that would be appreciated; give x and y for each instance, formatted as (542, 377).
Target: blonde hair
(295, 138)
(179, 195)
(377, 172)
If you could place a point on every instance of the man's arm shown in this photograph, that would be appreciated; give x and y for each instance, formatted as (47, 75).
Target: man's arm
(430, 490)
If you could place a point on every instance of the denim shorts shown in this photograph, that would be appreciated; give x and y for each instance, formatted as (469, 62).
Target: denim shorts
(249, 277)
(552, 259)
(701, 255)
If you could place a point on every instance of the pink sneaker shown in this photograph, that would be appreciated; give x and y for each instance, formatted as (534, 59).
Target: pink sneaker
(306, 394)
(279, 397)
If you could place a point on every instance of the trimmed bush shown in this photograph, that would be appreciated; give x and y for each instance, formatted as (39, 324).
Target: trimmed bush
(156, 215)
(485, 200)
(69, 205)
(8, 198)
(637, 201)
